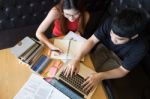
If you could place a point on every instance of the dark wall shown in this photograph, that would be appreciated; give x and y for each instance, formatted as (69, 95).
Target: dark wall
(20, 18)
(21, 13)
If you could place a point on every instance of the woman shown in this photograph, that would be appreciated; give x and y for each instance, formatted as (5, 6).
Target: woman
(68, 15)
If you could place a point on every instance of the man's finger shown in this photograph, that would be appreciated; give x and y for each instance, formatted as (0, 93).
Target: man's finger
(71, 72)
(93, 88)
(68, 72)
(87, 85)
(89, 88)
(85, 82)
(65, 71)
(76, 71)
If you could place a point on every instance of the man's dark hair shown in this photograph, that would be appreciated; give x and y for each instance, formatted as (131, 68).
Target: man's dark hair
(128, 23)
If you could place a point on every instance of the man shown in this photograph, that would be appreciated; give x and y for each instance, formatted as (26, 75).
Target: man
(121, 35)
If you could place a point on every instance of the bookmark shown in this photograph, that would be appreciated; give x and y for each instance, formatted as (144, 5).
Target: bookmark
(69, 47)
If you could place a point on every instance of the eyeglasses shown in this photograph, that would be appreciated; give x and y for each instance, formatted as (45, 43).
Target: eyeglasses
(76, 15)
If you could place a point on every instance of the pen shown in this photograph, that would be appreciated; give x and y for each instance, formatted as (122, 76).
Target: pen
(55, 50)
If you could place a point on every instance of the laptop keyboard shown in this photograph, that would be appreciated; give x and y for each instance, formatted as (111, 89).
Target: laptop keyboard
(75, 80)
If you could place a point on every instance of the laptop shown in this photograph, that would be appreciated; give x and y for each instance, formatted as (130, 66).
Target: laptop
(75, 81)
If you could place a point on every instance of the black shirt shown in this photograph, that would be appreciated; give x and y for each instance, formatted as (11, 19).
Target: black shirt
(130, 53)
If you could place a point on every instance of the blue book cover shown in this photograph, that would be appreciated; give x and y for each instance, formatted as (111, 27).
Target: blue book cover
(39, 62)
(43, 65)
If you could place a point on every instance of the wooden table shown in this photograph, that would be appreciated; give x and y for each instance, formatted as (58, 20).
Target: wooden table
(13, 75)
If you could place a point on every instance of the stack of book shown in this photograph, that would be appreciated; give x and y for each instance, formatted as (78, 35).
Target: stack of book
(28, 50)
(46, 66)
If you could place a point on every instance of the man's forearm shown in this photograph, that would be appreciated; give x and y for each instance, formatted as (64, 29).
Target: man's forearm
(114, 73)
(86, 48)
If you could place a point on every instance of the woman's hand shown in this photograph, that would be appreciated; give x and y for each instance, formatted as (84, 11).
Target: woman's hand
(71, 68)
(57, 51)
(91, 82)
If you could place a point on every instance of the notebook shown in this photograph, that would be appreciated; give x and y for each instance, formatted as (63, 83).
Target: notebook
(76, 81)
(70, 48)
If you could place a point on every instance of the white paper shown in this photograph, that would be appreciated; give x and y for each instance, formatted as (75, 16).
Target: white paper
(74, 36)
(37, 88)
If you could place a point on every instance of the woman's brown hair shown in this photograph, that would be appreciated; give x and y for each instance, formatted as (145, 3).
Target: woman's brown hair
(71, 4)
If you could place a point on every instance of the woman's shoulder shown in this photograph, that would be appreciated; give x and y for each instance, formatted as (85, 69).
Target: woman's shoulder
(55, 12)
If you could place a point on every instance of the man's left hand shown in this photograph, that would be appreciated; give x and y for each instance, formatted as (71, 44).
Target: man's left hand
(91, 82)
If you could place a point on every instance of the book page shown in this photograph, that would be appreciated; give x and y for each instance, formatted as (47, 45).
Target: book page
(37, 88)
(74, 36)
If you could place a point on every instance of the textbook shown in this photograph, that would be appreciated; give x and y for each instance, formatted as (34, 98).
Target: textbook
(70, 48)
(37, 88)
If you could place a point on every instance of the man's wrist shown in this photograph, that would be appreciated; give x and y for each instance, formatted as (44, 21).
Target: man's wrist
(101, 76)
(77, 59)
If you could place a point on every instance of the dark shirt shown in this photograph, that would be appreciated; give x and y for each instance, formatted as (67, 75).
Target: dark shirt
(130, 53)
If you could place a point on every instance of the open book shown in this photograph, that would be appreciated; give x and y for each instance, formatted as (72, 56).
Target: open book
(69, 47)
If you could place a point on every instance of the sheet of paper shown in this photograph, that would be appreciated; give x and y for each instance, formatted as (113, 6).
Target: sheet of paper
(37, 88)
(74, 36)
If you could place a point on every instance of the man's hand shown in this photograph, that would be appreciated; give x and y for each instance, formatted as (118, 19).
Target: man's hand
(91, 82)
(71, 68)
